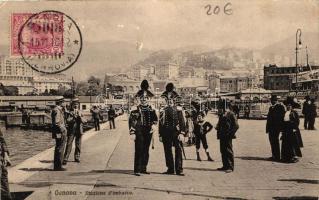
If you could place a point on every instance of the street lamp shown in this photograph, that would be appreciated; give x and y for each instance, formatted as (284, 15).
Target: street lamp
(157, 97)
(298, 46)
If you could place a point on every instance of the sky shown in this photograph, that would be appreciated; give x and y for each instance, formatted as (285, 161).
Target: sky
(160, 24)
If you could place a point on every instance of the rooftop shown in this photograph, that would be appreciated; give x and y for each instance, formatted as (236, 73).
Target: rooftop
(30, 98)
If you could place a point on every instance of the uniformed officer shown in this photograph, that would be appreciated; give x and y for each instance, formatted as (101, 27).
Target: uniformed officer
(141, 122)
(171, 131)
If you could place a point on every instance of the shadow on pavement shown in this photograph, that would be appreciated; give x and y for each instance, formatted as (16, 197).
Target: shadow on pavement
(46, 161)
(111, 171)
(20, 195)
(36, 169)
(103, 184)
(36, 184)
(189, 194)
(253, 158)
(201, 169)
(50, 183)
(296, 198)
(301, 181)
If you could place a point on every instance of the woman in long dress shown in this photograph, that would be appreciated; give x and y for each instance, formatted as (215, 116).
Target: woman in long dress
(291, 138)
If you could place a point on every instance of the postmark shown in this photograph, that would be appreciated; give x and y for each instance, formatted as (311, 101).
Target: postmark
(49, 41)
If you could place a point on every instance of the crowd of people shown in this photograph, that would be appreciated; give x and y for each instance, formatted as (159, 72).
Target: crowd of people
(176, 124)
(174, 127)
(67, 127)
(283, 124)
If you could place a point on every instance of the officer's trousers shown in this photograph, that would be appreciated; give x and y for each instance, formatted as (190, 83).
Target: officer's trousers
(147, 138)
(169, 141)
(138, 155)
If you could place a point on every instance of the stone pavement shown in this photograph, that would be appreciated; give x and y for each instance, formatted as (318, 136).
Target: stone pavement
(105, 171)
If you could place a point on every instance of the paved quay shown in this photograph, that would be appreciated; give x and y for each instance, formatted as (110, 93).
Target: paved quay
(105, 171)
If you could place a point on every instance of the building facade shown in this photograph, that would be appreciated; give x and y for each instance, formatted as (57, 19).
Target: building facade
(167, 71)
(281, 78)
(226, 84)
(15, 72)
(47, 83)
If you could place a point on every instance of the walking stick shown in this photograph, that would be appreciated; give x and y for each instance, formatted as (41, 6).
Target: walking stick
(182, 147)
(153, 141)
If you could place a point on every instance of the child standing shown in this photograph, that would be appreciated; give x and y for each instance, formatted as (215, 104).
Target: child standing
(201, 128)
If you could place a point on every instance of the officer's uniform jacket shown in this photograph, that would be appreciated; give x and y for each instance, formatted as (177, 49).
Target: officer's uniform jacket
(142, 118)
(171, 121)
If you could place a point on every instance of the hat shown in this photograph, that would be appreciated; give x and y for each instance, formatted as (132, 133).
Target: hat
(169, 92)
(307, 97)
(60, 100)
(291, 101)
(144, 92)
(273, 98)
(169, 87)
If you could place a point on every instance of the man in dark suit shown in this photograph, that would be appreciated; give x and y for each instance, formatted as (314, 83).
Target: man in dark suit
(306, 111)
(96, 117)
(172, 130)
(274, 126)
(227, 127)
(111, 115)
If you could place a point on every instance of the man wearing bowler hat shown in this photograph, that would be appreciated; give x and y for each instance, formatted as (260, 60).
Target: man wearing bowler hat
(274, 126)
(172, 130)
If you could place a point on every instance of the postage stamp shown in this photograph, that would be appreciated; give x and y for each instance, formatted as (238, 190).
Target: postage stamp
(48, 41)
(17, 20)
(44, 34)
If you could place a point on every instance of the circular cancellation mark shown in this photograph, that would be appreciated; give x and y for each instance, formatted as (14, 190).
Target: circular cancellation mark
(50, 42)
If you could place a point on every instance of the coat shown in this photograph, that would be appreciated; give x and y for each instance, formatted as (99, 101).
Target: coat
(171, 121)
(227, 126)
(275, 118)
(142, 118)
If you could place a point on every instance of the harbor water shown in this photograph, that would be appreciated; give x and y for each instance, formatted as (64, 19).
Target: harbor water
(24, 144)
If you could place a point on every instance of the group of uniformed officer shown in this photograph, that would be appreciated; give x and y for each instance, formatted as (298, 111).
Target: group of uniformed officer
(171, 129)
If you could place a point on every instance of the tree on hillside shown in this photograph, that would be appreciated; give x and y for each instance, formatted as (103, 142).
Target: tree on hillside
(81, 88)
(94, 80)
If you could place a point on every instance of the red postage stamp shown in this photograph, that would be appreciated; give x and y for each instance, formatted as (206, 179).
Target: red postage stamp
(37, 34)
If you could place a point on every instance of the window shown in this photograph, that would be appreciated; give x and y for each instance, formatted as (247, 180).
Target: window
(83, 107)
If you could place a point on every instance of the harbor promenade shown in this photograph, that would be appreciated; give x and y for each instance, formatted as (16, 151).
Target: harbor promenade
(105, 171)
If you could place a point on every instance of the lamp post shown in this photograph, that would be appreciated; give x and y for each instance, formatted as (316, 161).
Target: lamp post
(298, 46)
(157, 97)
